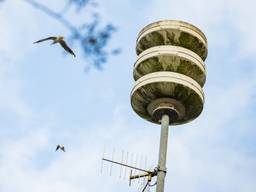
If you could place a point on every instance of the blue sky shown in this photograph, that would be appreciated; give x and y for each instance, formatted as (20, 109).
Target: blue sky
(46, 99)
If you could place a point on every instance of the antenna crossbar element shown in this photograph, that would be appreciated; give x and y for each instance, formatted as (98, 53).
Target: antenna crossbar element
(139, 176)
(148, 175)
(132, 167)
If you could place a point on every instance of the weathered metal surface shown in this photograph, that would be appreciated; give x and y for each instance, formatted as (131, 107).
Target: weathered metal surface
(170, 58)
(170, 32)
(162, 153)
(167, 85)
(172, 107)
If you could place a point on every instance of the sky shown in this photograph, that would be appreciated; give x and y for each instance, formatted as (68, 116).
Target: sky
(46, 98)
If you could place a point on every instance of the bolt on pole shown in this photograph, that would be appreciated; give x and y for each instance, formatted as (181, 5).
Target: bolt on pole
(162, 153)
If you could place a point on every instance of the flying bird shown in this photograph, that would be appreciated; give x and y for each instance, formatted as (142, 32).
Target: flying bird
(60, 40)
(60, 147)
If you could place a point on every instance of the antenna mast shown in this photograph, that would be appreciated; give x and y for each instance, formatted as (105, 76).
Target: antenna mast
(169, 74)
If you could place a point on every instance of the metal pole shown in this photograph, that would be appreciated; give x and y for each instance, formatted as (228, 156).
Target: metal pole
(162, 153)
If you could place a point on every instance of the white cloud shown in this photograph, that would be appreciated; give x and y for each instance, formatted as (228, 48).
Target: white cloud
(14, 33)
(13, 48)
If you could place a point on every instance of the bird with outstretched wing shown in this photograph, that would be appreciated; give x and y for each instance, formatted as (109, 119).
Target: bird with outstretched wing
(60, 40)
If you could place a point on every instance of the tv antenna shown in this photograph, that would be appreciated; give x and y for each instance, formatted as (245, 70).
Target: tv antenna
(132, 166)
(143, 173)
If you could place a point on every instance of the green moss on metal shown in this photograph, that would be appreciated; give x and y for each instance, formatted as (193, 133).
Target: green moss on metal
(190, 99)
(193, 43)
(172, 37)
(167, 63)
(187, 68)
